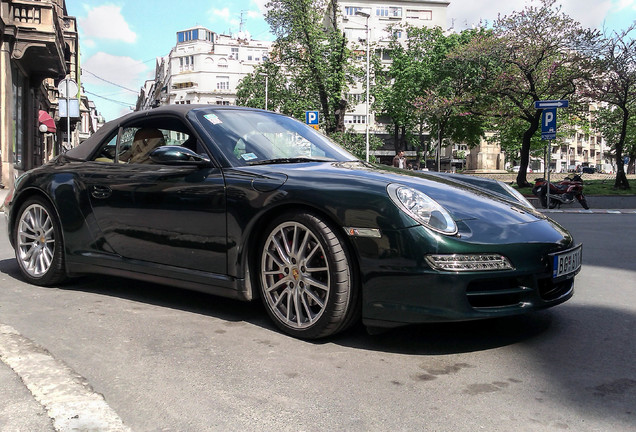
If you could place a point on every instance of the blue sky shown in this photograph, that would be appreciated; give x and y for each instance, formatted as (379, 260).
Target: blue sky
(120, 40)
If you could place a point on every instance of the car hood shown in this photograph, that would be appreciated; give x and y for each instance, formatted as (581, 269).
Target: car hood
(459, 198)
(361, 188)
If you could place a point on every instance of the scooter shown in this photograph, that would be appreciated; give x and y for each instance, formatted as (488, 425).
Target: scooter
(563, 192)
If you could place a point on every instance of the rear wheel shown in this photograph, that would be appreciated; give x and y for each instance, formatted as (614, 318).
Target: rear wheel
(306, 280)
(38, 243)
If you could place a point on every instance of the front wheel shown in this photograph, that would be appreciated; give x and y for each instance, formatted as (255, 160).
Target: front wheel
(38, 243)
(306, 278)
(583, 201)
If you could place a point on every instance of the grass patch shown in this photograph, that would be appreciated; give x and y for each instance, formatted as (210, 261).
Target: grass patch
(595, 187)
(606, 187)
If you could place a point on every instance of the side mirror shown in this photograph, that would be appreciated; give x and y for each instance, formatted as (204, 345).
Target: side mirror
(176, 155)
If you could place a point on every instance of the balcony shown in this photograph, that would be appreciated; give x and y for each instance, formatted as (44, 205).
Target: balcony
(39, 40)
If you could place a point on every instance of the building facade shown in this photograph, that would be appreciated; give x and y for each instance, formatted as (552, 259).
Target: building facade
(367, 19)
(203, 68)
(39, 46)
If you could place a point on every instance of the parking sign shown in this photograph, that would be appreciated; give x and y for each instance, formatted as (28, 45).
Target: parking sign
(311, 117)
(548, 124)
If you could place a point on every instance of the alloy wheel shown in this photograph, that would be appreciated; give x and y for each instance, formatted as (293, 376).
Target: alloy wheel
(35, 240)
(295, 275)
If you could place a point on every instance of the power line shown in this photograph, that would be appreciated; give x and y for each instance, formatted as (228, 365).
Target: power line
(126, 104)
(109, 82)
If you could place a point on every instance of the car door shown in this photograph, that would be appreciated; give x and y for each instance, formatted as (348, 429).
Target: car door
(162, 214)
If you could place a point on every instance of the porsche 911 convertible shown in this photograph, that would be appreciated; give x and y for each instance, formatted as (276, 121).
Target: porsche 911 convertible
(251, 204)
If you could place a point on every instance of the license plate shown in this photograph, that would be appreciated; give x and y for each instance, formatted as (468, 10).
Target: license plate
(568, 262)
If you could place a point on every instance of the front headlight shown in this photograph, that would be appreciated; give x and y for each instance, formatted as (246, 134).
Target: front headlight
(422, 208)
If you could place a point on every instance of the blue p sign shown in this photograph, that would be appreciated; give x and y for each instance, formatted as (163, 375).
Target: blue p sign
(548, 124)
(311, 117)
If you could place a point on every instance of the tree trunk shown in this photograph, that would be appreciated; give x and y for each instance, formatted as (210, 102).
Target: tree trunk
(396, 137)
(522, 180)
(621, 179)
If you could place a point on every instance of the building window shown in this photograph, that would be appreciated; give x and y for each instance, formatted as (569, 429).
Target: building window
(382, 11)
(223, 83)
(222, 102)
(355, 119)
(388, 12)
(351, 10)
(19, 104)
(418, 14)
(355, 98)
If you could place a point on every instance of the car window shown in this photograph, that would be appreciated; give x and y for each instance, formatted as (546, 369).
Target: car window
(137, 142)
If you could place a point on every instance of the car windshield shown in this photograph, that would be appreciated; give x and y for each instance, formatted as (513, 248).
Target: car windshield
(249, 137)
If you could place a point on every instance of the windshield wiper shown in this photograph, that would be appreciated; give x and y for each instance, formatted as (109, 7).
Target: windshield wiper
(289, 160)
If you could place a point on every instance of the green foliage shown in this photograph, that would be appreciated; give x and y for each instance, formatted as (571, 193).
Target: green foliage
(426, 90)
(356, 143)
(614, 82)
(609, 123)
(535, 54)
(313, 55)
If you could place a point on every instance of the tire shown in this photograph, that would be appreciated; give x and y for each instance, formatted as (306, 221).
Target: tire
(306, 279)
(38, 243)
(583, 202)
(542, 197)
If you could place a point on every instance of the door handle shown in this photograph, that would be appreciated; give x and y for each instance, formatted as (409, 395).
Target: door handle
(101, 192)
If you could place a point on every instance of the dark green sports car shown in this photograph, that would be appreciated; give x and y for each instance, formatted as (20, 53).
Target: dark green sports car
(246, 203)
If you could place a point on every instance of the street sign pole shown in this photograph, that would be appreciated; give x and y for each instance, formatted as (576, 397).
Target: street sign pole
(68, 114)
(548, 169)
(548, 133)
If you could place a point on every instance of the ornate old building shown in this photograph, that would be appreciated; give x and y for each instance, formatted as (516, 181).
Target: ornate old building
(39, 47)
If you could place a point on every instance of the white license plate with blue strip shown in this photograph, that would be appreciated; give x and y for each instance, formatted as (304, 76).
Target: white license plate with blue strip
(568, 262)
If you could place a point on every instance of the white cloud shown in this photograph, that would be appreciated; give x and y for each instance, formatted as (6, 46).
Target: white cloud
(463, 14)
(624, 4)
(260, 4)
(219, 14)
(106, 22)
(123, 71)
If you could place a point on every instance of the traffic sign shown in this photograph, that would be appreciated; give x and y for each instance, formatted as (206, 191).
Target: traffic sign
(67, 88)
(311, 117)
(548, 124)
(551, 104)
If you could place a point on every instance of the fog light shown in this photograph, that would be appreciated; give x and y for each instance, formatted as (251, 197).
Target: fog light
(469, 263)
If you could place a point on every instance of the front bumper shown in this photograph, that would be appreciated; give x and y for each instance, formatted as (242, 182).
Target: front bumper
(399, 287)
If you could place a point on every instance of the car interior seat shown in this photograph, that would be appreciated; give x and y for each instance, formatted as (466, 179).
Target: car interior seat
(144, 142)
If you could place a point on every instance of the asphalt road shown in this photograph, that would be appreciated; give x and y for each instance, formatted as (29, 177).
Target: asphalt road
(163, 359)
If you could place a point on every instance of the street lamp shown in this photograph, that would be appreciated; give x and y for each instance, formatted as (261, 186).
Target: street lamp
(266, 74)
(366, 26)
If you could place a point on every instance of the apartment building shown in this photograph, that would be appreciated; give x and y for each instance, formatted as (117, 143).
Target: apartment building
(204, 67)
(361, 17)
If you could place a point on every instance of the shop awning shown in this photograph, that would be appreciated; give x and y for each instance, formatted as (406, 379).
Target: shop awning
(45, 119)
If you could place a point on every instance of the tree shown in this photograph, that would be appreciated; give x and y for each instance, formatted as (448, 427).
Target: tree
(614, 82)
(313, 51)
(532, 55)
(609, 123)
(426, 89)
(356, 143)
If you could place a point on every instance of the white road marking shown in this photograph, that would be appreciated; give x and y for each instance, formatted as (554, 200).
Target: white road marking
(67, 397)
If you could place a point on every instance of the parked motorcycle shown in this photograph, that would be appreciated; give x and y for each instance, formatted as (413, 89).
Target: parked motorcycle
(563, 192)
